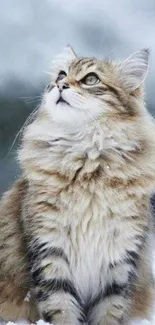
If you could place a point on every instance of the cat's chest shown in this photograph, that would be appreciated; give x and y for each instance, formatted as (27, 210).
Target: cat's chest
(96, 229)
(97, 234)
(95, 242)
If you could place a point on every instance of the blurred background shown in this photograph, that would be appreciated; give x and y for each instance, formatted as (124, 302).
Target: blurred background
(32, 31)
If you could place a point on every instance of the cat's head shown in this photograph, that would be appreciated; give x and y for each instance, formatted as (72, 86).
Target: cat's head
(84, 89)
(91, 108)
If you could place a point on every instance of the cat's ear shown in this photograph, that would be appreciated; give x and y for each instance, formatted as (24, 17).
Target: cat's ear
(67, 54)
(71, 52)
(134, 69)
(62, 60)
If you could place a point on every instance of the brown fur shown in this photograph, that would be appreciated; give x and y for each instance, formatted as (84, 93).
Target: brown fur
(119, 181)
(14, 279)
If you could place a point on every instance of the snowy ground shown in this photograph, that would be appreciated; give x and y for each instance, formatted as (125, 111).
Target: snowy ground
(136, 322)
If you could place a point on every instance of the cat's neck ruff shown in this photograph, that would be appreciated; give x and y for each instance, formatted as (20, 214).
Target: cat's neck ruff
(52, 148)
(83, 140)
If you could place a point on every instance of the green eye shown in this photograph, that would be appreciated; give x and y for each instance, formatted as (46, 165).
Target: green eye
(90, 79)
(61, 75)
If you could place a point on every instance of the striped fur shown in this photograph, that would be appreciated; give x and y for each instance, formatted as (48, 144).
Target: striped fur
(80, 215)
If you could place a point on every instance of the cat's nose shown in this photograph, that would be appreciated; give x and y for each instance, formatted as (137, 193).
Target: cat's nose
(62, 85)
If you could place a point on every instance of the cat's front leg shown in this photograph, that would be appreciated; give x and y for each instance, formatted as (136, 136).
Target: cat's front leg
(112, 306)
(113, 309)
(57, 297)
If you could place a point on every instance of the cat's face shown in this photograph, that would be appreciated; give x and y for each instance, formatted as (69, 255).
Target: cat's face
(84, 89)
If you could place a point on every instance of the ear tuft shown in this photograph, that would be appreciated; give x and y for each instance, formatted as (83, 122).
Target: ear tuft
(134, 69)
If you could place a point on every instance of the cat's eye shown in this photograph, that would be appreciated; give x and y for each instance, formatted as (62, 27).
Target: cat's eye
(62, 74)
(90, 79)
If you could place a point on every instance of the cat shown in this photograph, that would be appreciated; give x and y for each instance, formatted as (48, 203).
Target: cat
(77, 228)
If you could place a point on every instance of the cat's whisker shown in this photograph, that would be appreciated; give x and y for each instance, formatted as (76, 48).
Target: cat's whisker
(19, 133)
(47, 72)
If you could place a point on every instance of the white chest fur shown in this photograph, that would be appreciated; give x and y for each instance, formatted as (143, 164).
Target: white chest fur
(95, 240)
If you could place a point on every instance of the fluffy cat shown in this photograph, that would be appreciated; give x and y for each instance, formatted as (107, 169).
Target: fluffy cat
(76, 229)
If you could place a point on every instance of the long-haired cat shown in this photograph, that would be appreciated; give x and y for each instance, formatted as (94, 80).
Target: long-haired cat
(76, 229)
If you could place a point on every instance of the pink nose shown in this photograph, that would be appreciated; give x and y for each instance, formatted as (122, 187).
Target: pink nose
(62, 85)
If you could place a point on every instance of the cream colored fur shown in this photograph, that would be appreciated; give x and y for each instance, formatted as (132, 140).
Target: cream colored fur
(90, 172)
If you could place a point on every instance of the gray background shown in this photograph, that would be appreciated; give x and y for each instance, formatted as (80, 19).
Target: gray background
(32, 31)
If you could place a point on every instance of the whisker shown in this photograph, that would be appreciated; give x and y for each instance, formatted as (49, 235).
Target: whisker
(111, 51)
(30, 100)
(47, 72)
(28, 120)
(100, 46)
